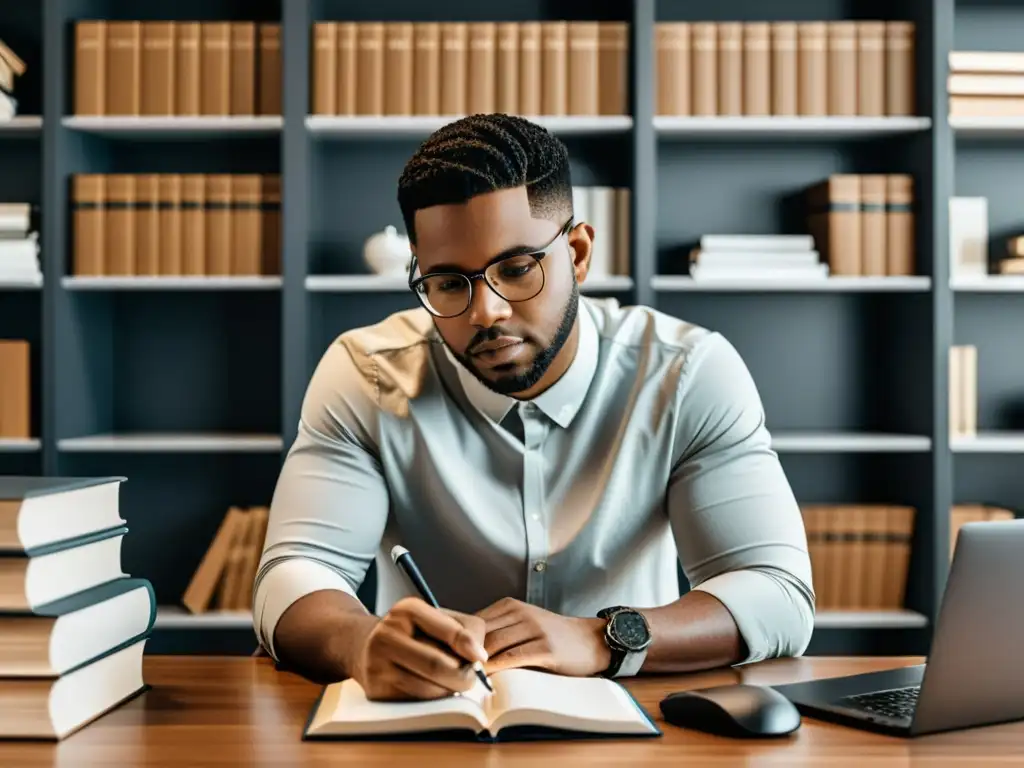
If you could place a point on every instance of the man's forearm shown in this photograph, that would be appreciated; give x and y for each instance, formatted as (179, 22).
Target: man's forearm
(321, 634)
(694, 632)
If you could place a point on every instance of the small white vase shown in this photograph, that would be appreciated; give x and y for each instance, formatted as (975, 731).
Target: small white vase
(387, 252)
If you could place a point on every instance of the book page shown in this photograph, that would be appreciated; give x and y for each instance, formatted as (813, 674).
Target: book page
(592, 704)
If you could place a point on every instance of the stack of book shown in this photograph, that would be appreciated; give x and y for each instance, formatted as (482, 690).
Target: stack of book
(852, 68)
(973, 513)
(864, 224)
(176, 224)
(454, 68)
(226, 573)
(606, 209)
(963, 390)
(756, 257)
(19, 243)
(15, 389)
(1013, 262)
(11, 67)
(73, 625)
(986, 84)
(180, 68)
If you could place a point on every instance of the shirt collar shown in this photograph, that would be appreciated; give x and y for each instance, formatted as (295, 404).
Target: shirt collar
(562, 400)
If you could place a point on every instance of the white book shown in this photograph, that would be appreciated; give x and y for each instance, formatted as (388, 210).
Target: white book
(818, 272)
(603, 216)
(968, 236)
(525, 704)
(757, 243)
(743, 259)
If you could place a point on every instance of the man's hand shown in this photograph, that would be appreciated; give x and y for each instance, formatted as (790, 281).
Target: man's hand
(523, 635)
(416, 651)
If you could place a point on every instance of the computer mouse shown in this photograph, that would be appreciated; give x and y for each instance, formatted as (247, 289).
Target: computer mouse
(740, 710)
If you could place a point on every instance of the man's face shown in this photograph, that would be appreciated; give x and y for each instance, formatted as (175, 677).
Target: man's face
(509, 346)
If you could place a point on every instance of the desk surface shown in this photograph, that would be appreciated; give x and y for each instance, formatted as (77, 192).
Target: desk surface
(232, 711)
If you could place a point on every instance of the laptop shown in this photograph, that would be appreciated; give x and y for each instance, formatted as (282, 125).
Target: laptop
(974, 673)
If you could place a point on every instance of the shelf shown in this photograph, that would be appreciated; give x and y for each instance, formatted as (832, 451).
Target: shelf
(173, 617)
(848, 442)
(175, 283)
(176, 127)
(988, 442)
(866, 619)
(188, 442)
(990, 127)
(988, 284)
(394, 283)
(20, 283)
(21, 126)
(19, 444)
(914, 284)
(399, 126)
(785, 127)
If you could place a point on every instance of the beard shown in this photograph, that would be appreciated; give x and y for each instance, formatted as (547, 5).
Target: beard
(518, 382)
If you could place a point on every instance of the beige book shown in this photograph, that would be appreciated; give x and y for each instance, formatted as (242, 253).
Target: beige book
(147, 224)
(324, 85)
(842, 68)
(215, 64)
(226, 588)
(426, 92)
(704, 66)
(855, 524)
(268, 65)
(187, 68)
(123, 67)
(582, 71)
(832, 554)
(398, 68)
(899, 225)
(813, 519)
(506, 74)
(899, 68)
(481, 62)
(530, 69)
(15, 389)
(88, 196)
(554, 67)
(988, 62)
(203, 584)
(901, 528)
(969, 389)
(271, 223)
(218, 224)
(874, 552)
(672, 67)
(986, 106)
(90, 67)
(956, 392)
(347, 67)
(784, 68)
(613, 67)
(871, 68)
(623, 231)
(730, 68)
(976, 84)
(157, 62)
(246, 225)
(193, 224)
(119, 224)
(812, 67)
(251, 557)
(874, 249)
(834, 221)
(757, 70)
(1011, 266)
(243, 68)
(370, 68)
(454, 57)
(169, 203)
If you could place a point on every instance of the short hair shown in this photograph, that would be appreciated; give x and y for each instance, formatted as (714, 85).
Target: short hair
(485, 153)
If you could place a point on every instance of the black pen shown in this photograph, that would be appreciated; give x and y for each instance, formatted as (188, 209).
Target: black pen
(401, 557)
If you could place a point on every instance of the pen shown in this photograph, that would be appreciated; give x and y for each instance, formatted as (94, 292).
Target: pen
(402, 558)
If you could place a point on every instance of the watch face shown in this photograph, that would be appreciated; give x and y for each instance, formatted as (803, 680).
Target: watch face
(630, 629)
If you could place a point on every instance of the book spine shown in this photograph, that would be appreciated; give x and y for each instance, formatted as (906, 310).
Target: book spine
(147, 224)
(507, 68)
(554, 54)
(730, 68)
(271, 225)
(324, 87)
(481, 62)
(871, 68)
(193, 223)
(873, 225)
(398, 68)
(426, 70)
(584, 93)
(842, 68)
(899, 222)
(876, 522)
(119, 226)
(123, 67)
(15, 389)
(757, 80)
(157, 61)
(187, 68)
(269, 64)
(454, 53)
(704, 43)
(218, 224)
(623, 219)
(784, 68)
(899, 68)
(90, 68)
(613, 67)
(530, 68)
(370, 68)
(246, 230)
(969, 389)
(812, 68)
(672, 49)
(243, 68)
(88, 195)
(601, 207)
(215, 64)
(347, 67)
(170, 231)
(956, 394)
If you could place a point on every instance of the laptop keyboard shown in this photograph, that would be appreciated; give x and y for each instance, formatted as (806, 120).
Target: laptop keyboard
(898, 703)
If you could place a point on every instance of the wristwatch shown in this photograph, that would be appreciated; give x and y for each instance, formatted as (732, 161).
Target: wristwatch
(628, 635)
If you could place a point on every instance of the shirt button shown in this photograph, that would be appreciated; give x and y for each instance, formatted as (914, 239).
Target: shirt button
(540, 567)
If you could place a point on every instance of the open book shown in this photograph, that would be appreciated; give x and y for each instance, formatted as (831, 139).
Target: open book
(525, 704)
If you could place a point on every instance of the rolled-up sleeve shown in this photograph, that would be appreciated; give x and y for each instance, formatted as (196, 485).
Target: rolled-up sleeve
(737, 525)
(330, 505)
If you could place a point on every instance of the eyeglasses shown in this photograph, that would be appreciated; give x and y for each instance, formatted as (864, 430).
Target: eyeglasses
(518, 277)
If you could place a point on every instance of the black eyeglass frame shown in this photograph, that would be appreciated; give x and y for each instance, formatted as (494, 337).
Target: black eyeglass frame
(481, 274)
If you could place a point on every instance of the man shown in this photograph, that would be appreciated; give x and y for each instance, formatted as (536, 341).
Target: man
(548, 460)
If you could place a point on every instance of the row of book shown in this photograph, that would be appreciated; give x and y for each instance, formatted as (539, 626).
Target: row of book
(15, 389)
(177, 68)
(969, 240)
(11, 68)
(19, 243)
(785, 68)
(73, 624)
(225, 575)
(176, 224)
(986, 84)
(606, 209)
(863, 224)
(756, 257)
(453, 68)
(963, 390)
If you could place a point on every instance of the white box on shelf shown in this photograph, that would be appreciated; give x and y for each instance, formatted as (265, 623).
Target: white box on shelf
(968, 236)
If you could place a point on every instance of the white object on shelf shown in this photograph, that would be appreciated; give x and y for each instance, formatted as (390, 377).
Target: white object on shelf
(27, 124)
(369, 126)
(173, 617)
(781, 126)
(198, 442)
(988, 284)
(841, 284)
(19, 444)
(388, 253)
(848, 442)
(988, 442)
(391, 283)
(968, 237)
(865, 619)
(170, 125)
(169, 282)
(992, 126)
(21, 280)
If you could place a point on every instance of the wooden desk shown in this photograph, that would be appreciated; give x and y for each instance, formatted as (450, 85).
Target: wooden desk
(234, 711)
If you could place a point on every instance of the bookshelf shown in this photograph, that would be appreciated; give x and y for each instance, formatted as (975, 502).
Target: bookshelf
(191, 385)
